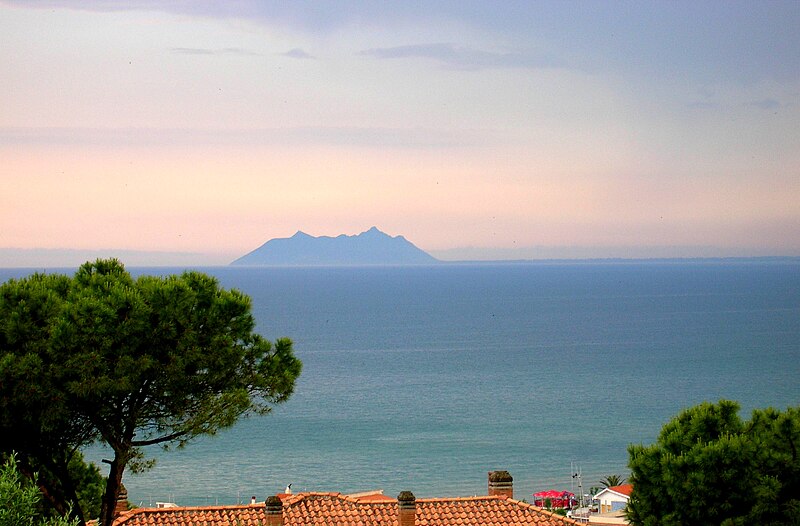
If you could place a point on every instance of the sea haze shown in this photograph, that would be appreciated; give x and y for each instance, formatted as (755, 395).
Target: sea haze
(425, 378)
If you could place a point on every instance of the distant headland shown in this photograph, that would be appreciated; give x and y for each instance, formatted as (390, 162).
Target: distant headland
(372, 247)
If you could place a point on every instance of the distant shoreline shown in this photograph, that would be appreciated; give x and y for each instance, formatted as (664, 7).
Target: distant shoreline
(444, 263)
(579, 261)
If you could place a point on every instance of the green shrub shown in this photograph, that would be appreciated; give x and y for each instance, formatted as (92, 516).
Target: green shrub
(19, 500)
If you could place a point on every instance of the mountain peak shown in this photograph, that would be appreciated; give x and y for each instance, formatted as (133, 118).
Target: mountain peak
(374, 231)
(371, 247)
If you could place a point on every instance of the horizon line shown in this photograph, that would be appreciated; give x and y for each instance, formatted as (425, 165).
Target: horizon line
(437, 262)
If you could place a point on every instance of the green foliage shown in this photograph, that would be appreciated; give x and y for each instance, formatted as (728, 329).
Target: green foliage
(85, 478)
(612, 480)
(89, 484)
(131, 362)
(20, 498)
(36, 419)
(709, 466)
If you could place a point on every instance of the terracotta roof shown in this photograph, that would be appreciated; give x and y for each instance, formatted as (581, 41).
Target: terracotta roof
(625, 489)
(373, 498)
(335, 509)
(246, 515)
(486, 511)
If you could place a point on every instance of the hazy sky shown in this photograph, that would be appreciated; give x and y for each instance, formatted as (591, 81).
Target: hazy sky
(480, 129)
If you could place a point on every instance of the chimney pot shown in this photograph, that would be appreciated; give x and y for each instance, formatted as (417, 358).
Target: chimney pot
(501, 483)
(406, 509)
(121, 505)
(274, 511)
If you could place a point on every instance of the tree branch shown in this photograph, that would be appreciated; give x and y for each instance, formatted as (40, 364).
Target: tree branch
(159, 440)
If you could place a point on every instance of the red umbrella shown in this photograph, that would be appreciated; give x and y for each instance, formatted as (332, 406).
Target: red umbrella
(558, 499)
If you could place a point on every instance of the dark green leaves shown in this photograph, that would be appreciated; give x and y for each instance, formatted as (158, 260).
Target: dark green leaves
(710, 467)
(133, 362)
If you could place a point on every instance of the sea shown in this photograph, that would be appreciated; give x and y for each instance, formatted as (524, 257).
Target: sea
(426, 378)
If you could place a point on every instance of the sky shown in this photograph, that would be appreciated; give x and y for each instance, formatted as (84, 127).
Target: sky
(194, 131)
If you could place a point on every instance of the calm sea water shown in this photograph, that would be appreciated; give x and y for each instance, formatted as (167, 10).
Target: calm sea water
(425, 378)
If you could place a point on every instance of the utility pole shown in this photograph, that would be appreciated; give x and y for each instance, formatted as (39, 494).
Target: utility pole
(578, 475)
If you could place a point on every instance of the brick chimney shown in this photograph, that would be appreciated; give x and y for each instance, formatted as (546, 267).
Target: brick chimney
(501, 483)
(274, 508)
(406, 509)
(122, 501)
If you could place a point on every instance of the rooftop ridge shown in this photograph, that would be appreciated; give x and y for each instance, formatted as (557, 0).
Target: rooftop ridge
(319, 506)
(458, 499)
(366, 493)
(357, 499)
(215, 507)
(289, 500)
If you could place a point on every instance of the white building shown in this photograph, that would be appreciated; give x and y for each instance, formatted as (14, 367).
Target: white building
(614, 498)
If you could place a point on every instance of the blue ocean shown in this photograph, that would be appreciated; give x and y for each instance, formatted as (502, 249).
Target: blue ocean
(426, 378)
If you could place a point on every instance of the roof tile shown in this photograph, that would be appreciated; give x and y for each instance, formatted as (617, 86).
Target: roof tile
(334, 509)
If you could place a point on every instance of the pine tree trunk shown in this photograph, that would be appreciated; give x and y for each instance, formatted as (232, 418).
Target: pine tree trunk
(112, 492)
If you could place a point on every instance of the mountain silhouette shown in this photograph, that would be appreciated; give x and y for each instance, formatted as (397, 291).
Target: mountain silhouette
(372, 247)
